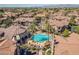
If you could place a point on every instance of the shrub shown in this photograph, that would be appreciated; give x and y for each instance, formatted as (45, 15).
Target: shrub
(56, 10)
(72, 20)
(65, 33)
(6, 23)
(33, 48)
(1, 12)
(76, 29)
(49, 52)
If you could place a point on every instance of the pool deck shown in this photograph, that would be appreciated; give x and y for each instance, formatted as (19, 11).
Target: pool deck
(67, 46)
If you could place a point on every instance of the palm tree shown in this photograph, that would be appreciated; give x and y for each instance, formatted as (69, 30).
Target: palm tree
(72, 21)
(49, 29)
(32, 28)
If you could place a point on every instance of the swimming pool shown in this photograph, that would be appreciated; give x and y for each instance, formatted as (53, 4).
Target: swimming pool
(41, 38)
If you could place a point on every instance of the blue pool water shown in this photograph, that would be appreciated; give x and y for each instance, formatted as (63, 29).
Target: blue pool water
(40, 37)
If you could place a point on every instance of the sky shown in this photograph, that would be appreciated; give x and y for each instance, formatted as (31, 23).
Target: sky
(40, 5)
(22, 5)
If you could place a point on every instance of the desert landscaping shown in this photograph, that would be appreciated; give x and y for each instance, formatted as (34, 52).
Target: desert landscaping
(39, 31)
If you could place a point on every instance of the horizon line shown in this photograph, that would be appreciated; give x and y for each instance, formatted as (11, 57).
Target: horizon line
(41, 5)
